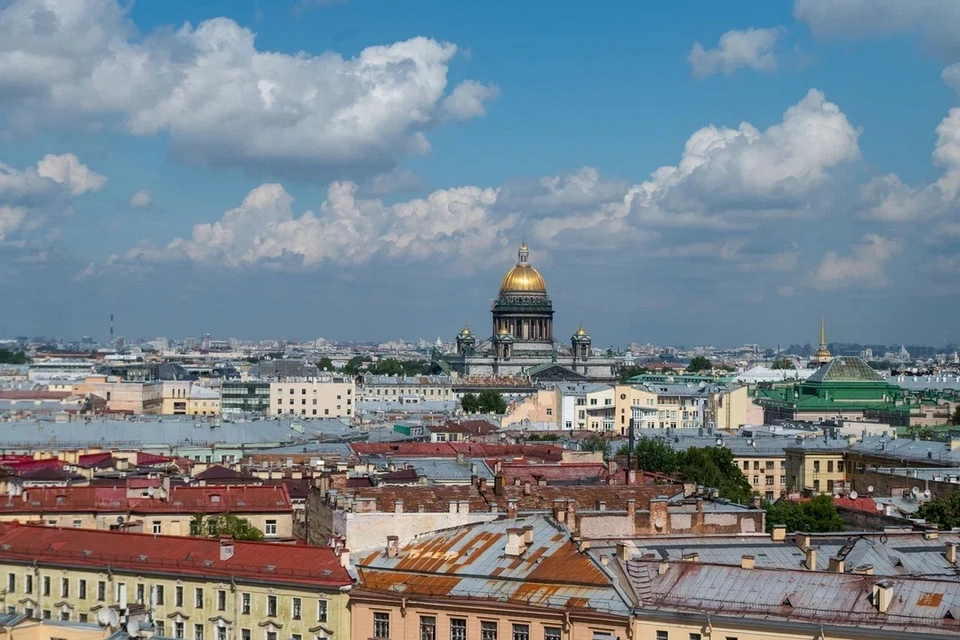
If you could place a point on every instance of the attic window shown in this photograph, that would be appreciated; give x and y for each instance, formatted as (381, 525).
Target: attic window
(270, 567)
(142, 557)
(786, 602)
(215, 498)
(61, 499)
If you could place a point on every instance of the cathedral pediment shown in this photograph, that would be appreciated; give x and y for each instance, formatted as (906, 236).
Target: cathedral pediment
(551, 371)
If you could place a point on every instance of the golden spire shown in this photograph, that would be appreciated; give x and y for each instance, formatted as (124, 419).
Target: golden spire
(823, 354)
(823, 333)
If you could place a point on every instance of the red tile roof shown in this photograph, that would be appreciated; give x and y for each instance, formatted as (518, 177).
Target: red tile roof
(144, 553)
(467, 427)
(860, 503)
(147, 459)
(92, 460)
(225, 499)
(17, 394)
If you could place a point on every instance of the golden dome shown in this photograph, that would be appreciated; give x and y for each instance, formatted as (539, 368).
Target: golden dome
(581, 331)
(523, 278)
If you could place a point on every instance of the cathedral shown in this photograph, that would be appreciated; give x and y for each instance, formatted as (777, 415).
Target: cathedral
(521, 341)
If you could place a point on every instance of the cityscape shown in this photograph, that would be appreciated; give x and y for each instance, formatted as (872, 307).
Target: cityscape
(700, 380)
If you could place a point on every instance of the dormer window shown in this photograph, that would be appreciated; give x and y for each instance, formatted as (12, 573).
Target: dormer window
(215, 498)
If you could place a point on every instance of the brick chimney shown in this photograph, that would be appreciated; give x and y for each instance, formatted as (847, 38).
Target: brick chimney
(528, 535)
(498, 481)
(393, 546)
(514, 546)
(512, 508)
(811, 558)
(836, 565)
(559, 511)
(226, 548)
(631, 509)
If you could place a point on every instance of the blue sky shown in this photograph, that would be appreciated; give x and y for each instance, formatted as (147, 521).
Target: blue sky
(684, 172)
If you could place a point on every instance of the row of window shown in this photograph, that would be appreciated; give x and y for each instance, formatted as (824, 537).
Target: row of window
(665, 635)
(157, 595)
(303, 412)
(303, 391)
(458, 629)
(304, 401)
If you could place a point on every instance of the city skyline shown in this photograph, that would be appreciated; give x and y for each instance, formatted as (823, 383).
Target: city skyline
(694, 175)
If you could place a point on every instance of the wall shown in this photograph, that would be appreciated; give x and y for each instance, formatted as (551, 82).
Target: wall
(884, 484)
(541, 407)
(312, 398)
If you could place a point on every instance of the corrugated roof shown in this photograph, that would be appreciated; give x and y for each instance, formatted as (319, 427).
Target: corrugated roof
(846, 369)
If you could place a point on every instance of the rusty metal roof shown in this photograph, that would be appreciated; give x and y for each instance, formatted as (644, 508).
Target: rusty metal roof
(470, 562)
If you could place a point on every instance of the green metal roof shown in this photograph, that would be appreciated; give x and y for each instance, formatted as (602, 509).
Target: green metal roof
(846, 369)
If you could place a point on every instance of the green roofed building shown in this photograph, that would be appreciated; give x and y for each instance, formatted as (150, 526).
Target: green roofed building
(844, 388)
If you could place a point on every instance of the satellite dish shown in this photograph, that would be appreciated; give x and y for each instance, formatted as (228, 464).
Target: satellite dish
(119, 519)
(879, 507)
(926, 493)
(854, 495)
(150, 491)
(836, 496)
(107, 617)
(870, 489)
(915, 491)
(133, 628)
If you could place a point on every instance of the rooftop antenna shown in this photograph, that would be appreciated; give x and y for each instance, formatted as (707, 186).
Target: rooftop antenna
(111, 327)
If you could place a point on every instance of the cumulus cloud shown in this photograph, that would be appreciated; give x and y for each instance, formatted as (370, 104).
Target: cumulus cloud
(397, 180)
(10, 219)
(864, 267)
(67, 170)
(951, 76)
(222, 101)
(52, 175)
(746, 49)
(141, 200)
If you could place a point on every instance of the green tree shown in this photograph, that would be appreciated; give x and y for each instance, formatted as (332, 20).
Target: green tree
(470, 403)
(13, 357)
(355, 365)
(596, 442)
(956, 416)
(782, 363)
(815, 516)
(628, 371)
(223, 524)
(943, 511)
(325, 364)
(699, 363)
(714, 467)
(543, 437)
(491, 402)
(653, 455)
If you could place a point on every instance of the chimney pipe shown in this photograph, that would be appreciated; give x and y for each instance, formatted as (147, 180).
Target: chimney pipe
(883, 596)
(514, 546)
(345, 558)
(623, 552)
(779, 533)
(393, 546)
(951, 552)
(748, 562)
(811, 561)
(512, 508)
(498, 482)
(528, 535)
(226, 548)
(836, 565)
(526, 488)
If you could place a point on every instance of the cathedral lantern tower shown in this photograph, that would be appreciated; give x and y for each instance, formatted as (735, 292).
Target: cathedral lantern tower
(580, 344)
(522, 307)
(466, 341)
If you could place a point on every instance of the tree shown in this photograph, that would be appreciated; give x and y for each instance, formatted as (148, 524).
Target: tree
(714, 467)
(491, 402)
(596, 442)
(325, 364)
(943, 511)
(223, 524)
(782, 363)
(355, 365)
(543, 437)
(628, 371)
(13, 357)
(653, 455)
(470, 403)
(956, 416)
(815, 516)
(699, 363)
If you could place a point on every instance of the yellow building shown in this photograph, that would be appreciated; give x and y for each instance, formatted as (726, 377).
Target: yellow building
(816, 466)
(186, 398)
(123, 397)
(328, 397)
(196, 588)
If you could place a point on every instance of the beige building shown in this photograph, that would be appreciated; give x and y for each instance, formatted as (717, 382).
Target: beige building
(123, 397)
(539, 410)
(815, 467)
(186, 398)
(329, 397)
(201, 589)
(406, 389)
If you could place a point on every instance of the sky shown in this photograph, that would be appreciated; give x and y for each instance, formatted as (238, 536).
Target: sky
(684, 173)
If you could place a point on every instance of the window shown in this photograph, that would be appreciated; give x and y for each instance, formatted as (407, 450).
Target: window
(64, 616)
(829, 466)
(730, 637)
(271, 635)
(381, 624)
(665, 635)
(177, 629)
(28, 612)
(297, 607)
(521, 632)
(28, 583)
(101, 591)
(198, 632)
(46, 614)
(157, 527)
(488, 631)
(321, 610)
(245, 604)
(696, 636)
(746, 467)
(271, 605)
(46, 586)
(141, 588)
(816, 466)
(11, 582)
(158, 628)
(295, 636)
(221, 633)
(82, 589)
(551, 633)
(82, 617)
(198, 598)
(221, 600)
(271, 528)
(77, 524)
(458, 629)
(840, 466)
(244, 634)
(64, 587)
(428, 628)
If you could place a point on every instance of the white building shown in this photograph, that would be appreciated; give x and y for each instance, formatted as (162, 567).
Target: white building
(324, 397)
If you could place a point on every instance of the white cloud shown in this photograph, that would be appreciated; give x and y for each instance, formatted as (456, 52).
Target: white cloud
(67, 170)
(746, 49)
(397, 180)
(141, 200)
(865, 267)
(10, 219)
(951, 76)
(220, 99)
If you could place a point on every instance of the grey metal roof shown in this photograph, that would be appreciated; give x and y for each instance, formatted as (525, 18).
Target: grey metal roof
(908, 449)
(846, 369)
(440, 469)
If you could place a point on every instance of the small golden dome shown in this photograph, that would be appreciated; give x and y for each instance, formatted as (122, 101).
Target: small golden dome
(466, 331)
(503, 331)
(523, 278)
(581, 331)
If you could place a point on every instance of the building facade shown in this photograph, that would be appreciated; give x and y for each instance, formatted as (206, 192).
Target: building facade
(330, 397)
(245, 397)
(186, 398)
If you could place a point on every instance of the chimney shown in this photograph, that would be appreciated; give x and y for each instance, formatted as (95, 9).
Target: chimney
(779, 533)
(512, 508)
(526, 488)
(601, 505)
(226, 548)
(398, 506)
(393, 546)
(559, 511)
(528, 535)
(631, 509)
(623, 552)
(883, 595)
(460, 458)
(498, 482)
(516, 481)
(811, 561)
(836, 565)
(755, 502)
(931, 535)
(864, 569)
(691, 557)
(951, 553)
(803, 541)
(572, 514)
(611, 467)
(515, 546)
(482, 484)
(748, 562)
(452, 506)
(631, 477)
(345, 558)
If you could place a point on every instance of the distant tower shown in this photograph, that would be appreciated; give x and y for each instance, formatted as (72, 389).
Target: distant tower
(822, 354)
(111, 327)
(580, 343)
(465, 341)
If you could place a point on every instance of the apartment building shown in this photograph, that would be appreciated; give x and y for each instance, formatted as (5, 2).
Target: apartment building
(817, 466)
(406, 389)
(245, 397)
(186, 398)
(325, 397)
(122, 396)
(151, 506)
(196, 588)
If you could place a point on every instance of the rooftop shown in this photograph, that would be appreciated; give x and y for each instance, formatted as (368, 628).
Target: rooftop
(846, 369)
